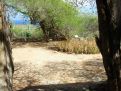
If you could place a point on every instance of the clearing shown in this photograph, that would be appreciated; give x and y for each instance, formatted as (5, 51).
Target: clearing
(36, 65)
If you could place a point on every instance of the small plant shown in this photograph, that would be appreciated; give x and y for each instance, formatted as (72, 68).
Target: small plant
(77, 46)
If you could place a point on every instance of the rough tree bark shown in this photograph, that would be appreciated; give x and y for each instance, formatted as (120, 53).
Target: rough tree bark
(109, 17)
(45, 31)
(6, 63)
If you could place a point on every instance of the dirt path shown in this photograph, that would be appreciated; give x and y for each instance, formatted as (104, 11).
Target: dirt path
(41, 66)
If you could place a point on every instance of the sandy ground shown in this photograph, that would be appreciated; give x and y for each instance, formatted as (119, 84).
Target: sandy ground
(41, 66)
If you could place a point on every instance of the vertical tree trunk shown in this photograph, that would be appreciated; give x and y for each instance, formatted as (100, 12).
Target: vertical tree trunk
(33, 21)
(6, 64)
(109, 17)
(44, 29)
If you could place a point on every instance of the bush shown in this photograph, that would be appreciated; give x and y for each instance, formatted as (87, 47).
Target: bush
(20, 32)
(77, 46)
(88, 26)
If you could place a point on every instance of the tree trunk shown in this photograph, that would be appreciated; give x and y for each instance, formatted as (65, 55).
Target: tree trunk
(45, 31)
(33, 21)
(6, 63)
(109, 17)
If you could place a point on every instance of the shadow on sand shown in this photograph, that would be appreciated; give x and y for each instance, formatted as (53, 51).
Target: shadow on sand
(89, 66)
(88, 86)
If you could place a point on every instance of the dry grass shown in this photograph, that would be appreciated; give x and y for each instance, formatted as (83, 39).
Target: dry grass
(77, 46)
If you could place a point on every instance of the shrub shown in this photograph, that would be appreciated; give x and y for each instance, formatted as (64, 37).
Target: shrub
(77, 46)
(20, 32)
(88, 26)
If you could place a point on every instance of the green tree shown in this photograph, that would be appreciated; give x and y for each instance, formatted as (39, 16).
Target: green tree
(54, 16)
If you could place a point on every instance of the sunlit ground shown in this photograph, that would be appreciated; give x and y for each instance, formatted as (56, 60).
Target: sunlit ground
(36, 65)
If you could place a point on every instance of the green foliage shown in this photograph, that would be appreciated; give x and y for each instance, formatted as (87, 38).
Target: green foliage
(57, 14)
(88, 26)
(22, 31)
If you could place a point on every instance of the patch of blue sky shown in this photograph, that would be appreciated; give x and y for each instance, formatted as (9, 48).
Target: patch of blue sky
(88, 9)
(20, 18)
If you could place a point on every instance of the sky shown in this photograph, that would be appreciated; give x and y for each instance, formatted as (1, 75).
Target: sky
(86, 6)
(19, 18)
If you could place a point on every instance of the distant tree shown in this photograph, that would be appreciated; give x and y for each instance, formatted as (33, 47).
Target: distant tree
(58, 16)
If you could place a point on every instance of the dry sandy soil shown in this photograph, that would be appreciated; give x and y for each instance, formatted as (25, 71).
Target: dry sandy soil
(35, 65)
